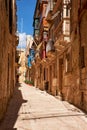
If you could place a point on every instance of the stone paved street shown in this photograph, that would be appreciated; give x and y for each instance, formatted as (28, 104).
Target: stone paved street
(32, 109)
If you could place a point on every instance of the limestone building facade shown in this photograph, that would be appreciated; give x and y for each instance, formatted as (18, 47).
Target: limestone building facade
(60, 57)
(8, 43)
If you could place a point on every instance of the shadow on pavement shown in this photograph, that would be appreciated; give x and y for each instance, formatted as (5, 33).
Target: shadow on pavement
(12, 111)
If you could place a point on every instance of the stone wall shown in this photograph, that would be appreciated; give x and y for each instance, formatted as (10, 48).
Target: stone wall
(83, 70)
(75, 83)
(71, 56)
(7, 58)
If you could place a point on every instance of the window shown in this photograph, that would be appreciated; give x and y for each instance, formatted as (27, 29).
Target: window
(54, 71)
(37, 23)
(67, 27)
(82, 62)
(68, 7)
(10, 16)
(44, 74)
(67, 10)
(68, 62)
(6, 5)
(40, 69)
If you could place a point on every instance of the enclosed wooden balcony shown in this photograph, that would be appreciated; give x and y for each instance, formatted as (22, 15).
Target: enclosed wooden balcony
(57, 6)
(49, 10)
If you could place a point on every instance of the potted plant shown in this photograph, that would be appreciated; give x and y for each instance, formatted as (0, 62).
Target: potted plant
(31, 83)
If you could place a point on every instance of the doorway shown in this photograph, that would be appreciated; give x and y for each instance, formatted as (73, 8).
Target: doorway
(60, 75)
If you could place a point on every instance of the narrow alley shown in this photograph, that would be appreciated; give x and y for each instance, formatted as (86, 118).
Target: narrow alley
(33, 109)
(43, 65)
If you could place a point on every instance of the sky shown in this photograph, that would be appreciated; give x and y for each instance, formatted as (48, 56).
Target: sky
(25, 13)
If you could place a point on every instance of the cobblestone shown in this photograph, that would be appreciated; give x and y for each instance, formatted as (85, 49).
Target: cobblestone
(32, 109)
